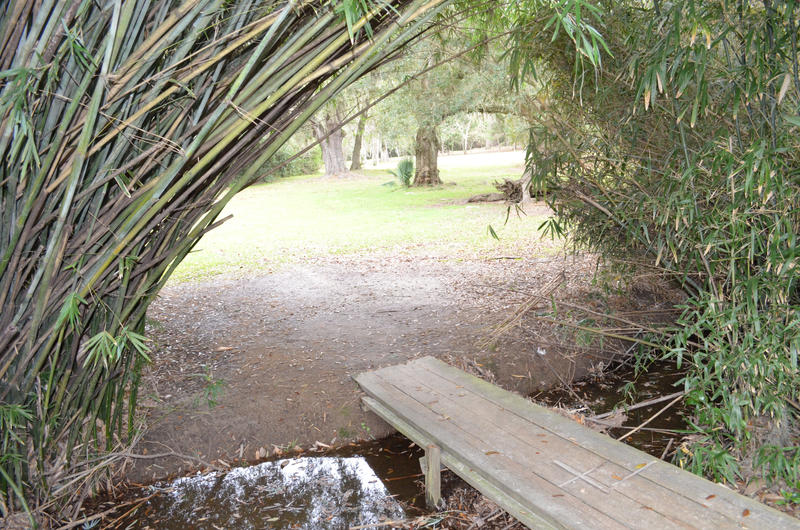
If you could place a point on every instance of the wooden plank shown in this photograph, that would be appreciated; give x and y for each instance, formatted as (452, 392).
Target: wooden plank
(518, 437)
(528, 517)
(678, 509)
(518, 415)
(621, 452)
(540, 497)
(748, 512)
(515, 440)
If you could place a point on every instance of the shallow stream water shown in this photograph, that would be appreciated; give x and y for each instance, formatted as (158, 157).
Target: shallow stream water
(362, 484)
(602, 394)
(367, 483)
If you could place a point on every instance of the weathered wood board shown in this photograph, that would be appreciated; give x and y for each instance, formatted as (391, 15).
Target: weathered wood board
(546, 470)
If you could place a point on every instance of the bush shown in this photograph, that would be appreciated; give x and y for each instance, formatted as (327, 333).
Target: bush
(278, 167)
(404, 171)
(702, 181)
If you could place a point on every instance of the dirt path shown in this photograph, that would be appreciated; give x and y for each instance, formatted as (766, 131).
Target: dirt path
(281, 349)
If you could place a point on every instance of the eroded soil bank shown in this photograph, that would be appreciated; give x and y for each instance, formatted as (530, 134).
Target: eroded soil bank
(241, 364)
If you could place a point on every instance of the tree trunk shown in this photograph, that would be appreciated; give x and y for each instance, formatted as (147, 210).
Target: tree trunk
(525, 184)
(426, 151)
(465, 134)
(375, 150)
(329, 135)
(356, 163)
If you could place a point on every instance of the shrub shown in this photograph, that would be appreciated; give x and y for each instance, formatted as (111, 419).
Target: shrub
(280, 165)
(702, 181)
(404, 171)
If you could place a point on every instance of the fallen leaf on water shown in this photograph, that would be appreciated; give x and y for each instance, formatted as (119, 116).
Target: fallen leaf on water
(616, 477)
(746, 512)
(640, 466)
(492, 453)
(710, 497)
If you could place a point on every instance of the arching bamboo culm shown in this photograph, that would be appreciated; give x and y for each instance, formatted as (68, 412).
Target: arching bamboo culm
(125, 128)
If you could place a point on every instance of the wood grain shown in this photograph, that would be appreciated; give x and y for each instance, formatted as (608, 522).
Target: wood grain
(548, 471)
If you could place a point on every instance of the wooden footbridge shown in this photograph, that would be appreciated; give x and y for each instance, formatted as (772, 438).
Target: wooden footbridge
(546, 470)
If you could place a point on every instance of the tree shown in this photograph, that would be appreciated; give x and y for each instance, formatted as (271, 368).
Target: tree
(355, 163)
(426, 154)
(468, 84)
(126, 128)
(334, 125)
(328, 132)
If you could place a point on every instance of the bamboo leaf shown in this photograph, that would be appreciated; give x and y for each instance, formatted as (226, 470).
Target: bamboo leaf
(126, 130)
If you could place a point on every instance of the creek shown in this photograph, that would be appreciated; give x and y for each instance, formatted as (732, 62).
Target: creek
(366, 483)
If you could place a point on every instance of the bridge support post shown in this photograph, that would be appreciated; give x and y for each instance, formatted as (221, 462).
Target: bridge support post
(431, 465)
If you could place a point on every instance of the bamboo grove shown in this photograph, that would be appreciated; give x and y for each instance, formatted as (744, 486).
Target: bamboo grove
(674, 143)
(125, 128)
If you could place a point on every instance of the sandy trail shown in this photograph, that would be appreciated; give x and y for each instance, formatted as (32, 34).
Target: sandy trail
(281, 349)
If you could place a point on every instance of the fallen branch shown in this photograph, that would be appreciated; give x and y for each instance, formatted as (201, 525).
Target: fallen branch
(651, 418)
(88, 519)
(382, 523)
(488, 197)
(137, 504)
(170, 453)
(666, 449)
(532, 302)
(639, 405)
(599, 331)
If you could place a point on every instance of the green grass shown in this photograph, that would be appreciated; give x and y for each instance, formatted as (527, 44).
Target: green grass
(310, 217)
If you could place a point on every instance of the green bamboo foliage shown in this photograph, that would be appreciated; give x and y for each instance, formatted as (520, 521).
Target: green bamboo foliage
(125, 127)
(682, 152)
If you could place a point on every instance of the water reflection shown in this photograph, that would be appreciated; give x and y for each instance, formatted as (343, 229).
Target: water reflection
(321, 492)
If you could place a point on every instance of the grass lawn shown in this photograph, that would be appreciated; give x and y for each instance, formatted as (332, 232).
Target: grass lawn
(309, 217)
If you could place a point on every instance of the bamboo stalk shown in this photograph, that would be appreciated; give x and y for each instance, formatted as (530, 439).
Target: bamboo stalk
(121, 151)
